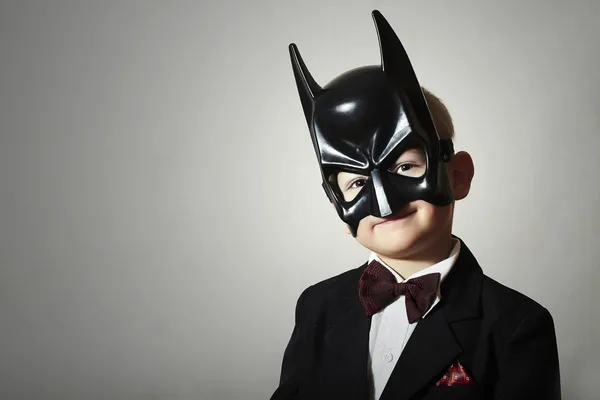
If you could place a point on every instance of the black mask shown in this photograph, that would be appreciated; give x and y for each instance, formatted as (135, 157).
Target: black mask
(363, 121)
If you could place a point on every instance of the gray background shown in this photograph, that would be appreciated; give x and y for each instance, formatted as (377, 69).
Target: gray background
(160, 207)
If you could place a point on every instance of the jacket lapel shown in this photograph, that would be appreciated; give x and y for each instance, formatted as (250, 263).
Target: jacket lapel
(431, 348)
(434, 344)
(346, 348)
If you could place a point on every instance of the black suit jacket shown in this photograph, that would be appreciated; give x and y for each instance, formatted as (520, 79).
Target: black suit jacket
(503, 339)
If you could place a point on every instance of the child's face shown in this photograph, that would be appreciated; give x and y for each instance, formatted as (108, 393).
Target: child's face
(418, 224)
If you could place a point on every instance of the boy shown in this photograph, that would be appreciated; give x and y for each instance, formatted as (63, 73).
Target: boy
(419, 320)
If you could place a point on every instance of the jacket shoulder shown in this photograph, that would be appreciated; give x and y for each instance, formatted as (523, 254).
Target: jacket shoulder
(502, 296)
(327, 296)
(335, 285)
(506, 308)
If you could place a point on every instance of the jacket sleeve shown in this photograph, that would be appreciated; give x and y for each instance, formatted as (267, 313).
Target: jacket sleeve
(293, 359)
(528, 367)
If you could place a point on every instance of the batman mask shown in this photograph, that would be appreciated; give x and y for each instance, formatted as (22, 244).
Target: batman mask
(374, 122)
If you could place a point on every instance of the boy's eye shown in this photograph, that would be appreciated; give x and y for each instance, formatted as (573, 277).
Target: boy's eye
(349, 184)
(409, 168)
(358, 183)
(411, 163)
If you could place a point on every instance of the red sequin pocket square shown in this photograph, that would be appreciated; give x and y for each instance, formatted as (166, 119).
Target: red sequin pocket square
(456, 375)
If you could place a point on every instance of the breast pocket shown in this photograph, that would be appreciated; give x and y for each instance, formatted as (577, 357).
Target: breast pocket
(454, 392)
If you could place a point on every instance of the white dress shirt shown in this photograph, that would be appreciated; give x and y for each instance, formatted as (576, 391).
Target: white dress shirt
(390, 329)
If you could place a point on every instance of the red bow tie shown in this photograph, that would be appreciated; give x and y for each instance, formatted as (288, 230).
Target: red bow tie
(378, 288)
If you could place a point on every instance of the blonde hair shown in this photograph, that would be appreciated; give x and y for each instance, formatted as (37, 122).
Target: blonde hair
(440, 114)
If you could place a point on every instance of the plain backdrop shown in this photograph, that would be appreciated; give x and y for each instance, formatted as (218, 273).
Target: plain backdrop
(160, 200)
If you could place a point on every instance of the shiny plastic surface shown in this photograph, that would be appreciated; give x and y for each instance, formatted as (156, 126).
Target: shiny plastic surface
(362, 120)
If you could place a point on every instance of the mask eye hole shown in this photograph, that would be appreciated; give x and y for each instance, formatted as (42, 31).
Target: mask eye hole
(348, 184)
(411, 163)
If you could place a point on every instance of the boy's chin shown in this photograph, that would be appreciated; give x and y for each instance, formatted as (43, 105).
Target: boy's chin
(397, 245)
(396, 250)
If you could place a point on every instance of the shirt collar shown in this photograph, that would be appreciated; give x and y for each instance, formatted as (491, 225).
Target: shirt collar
(443, 267)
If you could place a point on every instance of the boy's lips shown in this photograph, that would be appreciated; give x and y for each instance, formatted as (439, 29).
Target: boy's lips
(397, 216)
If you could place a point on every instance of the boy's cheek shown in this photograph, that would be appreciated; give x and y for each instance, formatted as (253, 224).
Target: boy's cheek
(365, 223)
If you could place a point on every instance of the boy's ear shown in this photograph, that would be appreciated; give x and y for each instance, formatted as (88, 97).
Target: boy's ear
(346, 227)
(461, 171)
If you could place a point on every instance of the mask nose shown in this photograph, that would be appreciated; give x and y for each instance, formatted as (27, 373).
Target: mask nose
(382, 200)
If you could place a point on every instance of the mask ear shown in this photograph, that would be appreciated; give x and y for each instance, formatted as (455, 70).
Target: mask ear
(396, 64)
(308, 89)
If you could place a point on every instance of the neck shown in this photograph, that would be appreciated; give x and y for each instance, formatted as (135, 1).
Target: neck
(435, 252)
